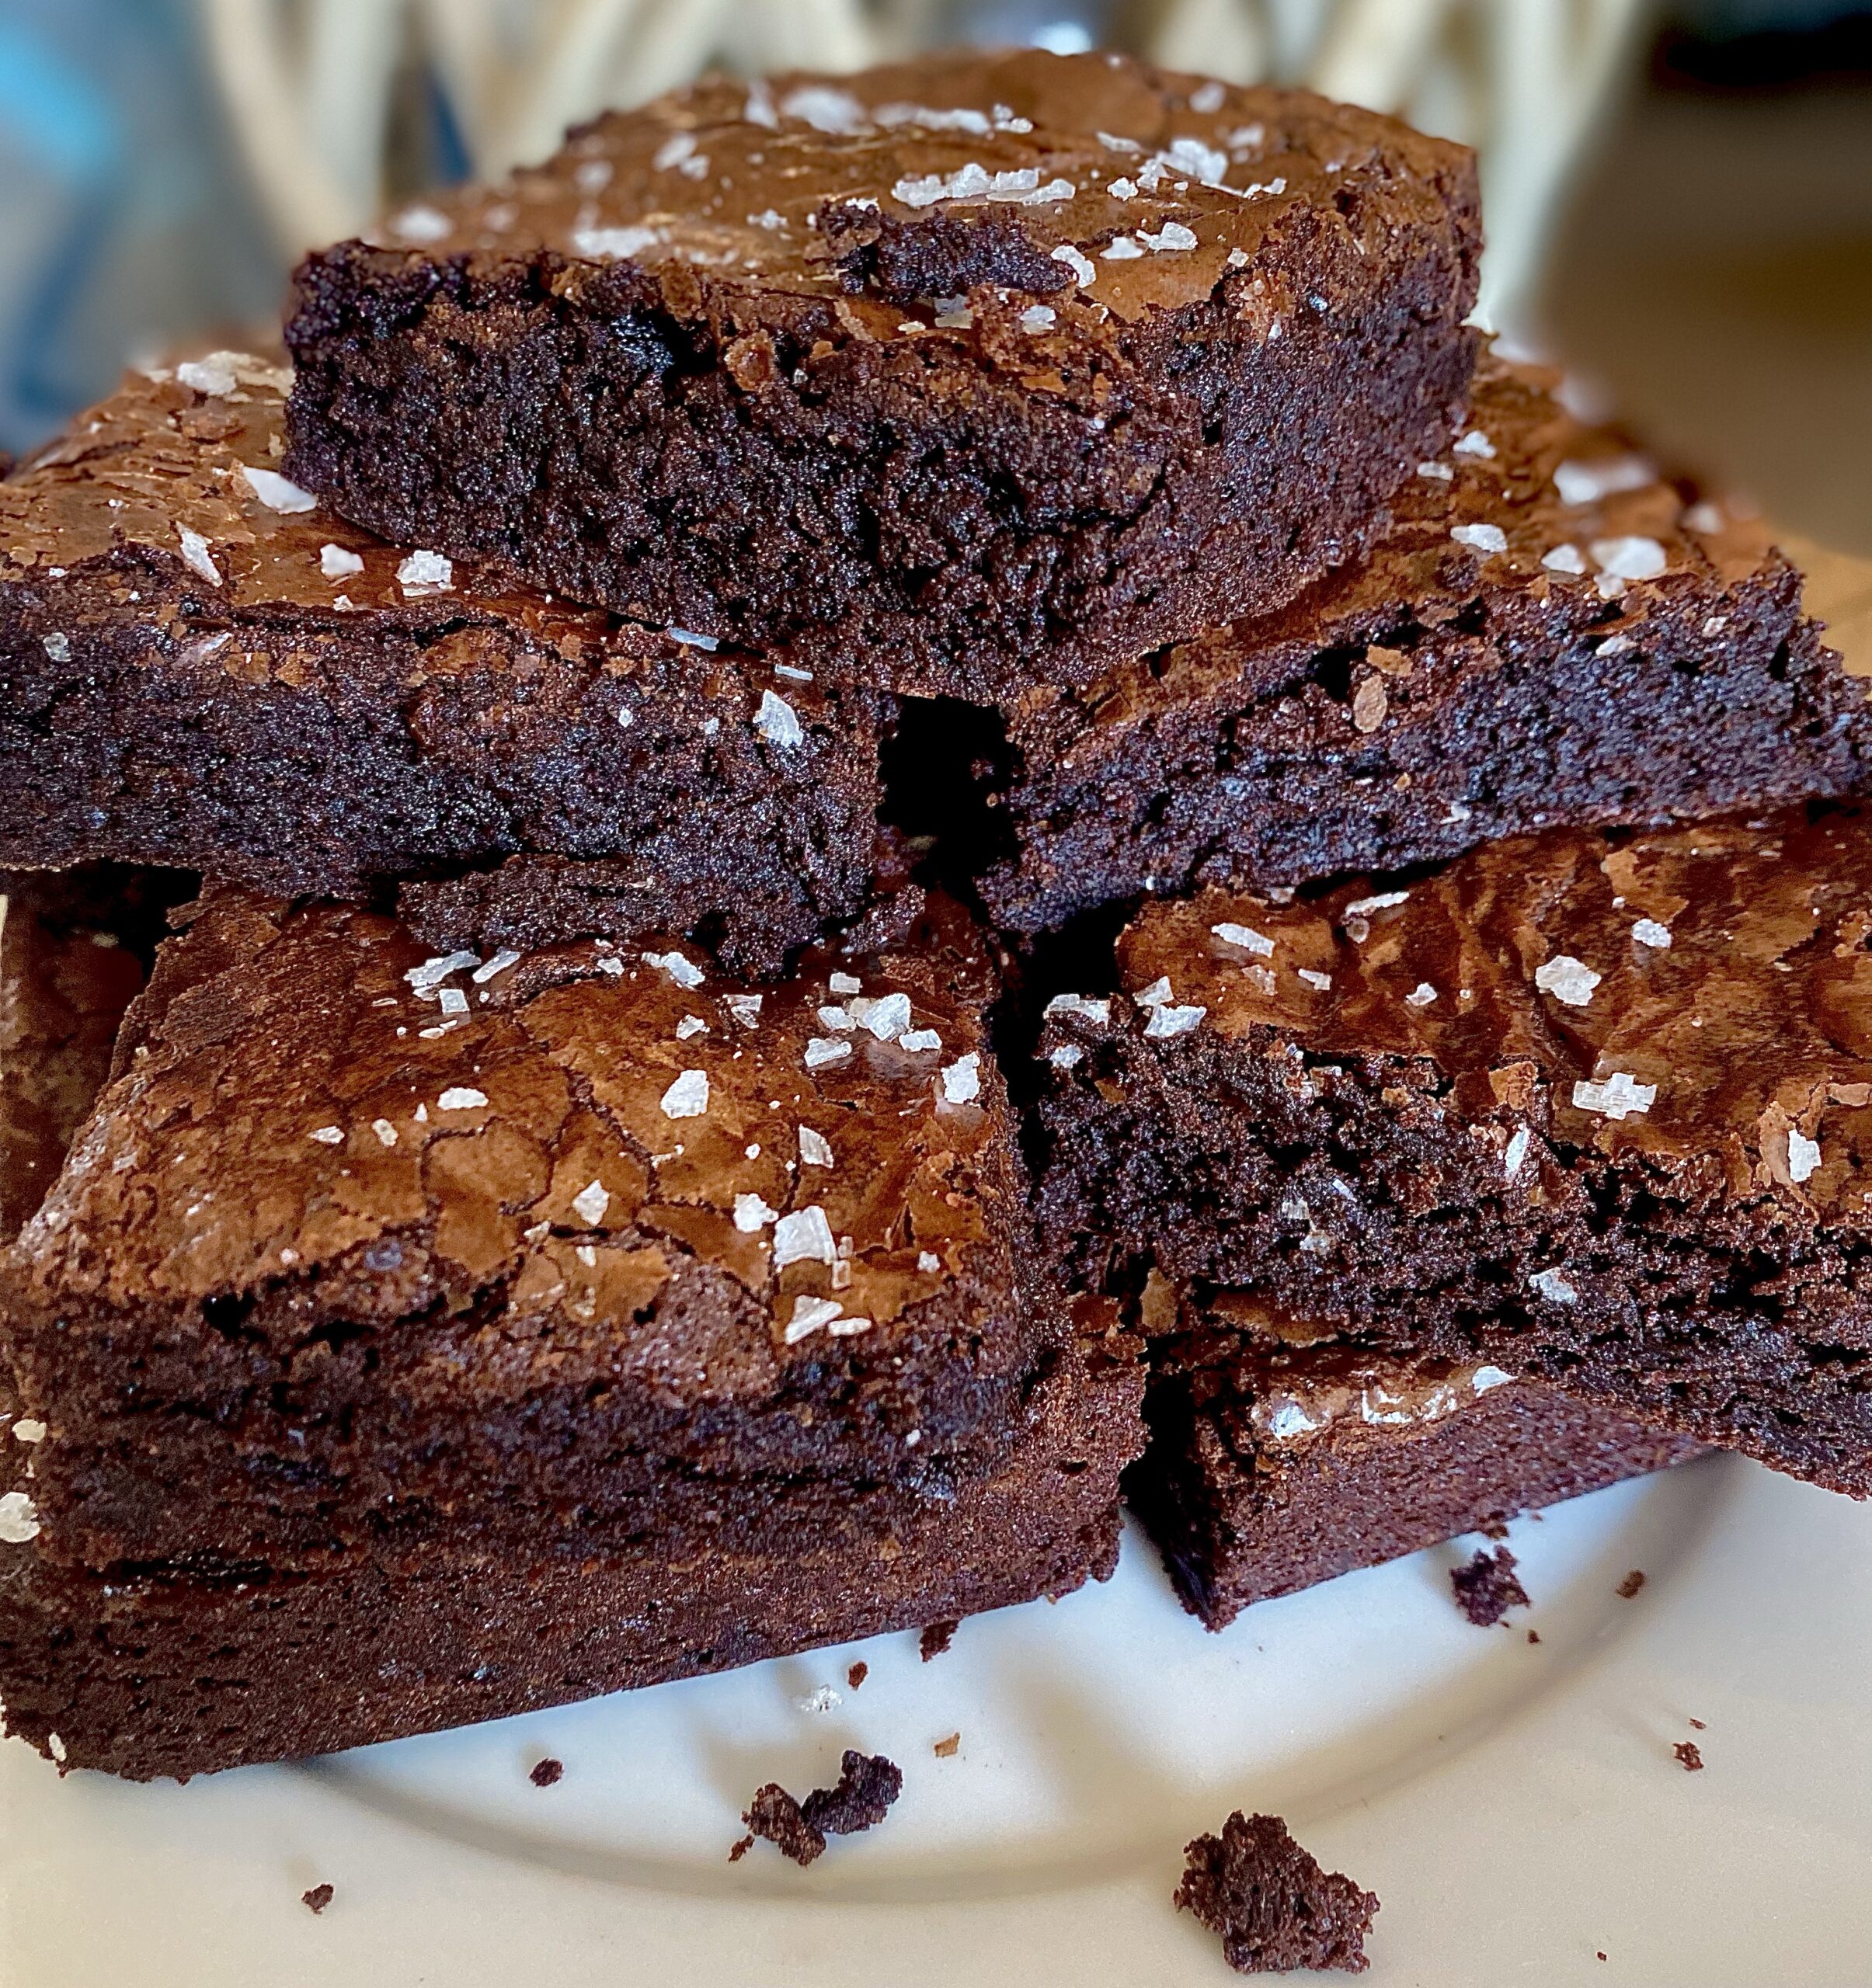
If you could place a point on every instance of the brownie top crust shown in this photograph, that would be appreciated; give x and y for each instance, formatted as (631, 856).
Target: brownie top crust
(1279, 1383)
(1055, 176)
(168, 499)
(1529, 504)
(1699, 999)
(585, 1161)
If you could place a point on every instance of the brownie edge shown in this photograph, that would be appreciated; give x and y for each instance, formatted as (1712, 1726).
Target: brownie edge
(963, 373)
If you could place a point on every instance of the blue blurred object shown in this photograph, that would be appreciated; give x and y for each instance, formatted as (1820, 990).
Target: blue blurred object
(125, 224)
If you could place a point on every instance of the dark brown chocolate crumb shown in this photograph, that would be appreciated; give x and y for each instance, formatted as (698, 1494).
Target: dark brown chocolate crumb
(945, 1749)
(856, 1675)
(1702, 1725)
(867, 1784)
(546, 1772)
(1690, 1754)
(739, 1849)
(1533, 1635)
(1631, 1584)
(1273, 1904)
(1486, 1590)
(1599, 1956)
(775, 1815)
(936, 1639)
(318, 1898)
(1494, 1529)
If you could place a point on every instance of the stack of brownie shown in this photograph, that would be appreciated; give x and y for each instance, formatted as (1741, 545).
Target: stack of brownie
(639, 1152)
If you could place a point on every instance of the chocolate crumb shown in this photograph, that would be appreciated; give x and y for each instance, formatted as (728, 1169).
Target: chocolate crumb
(936, 1639)
(1487, 1589)
(1273, 1904)
(1598, 1956)
(1702, 1725)
(774, 1815)
(1631, 1584)
(1494, 1529)
(856, 1675)
(317, 1898)
(1533, 1635)
(867, 1784)
(546, 1772)
(1690, 1754)
(737, 1851)
(945, 1749)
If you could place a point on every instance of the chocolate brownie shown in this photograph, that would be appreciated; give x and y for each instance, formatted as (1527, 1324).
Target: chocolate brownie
(1596, 1108)
(1274, 1905)
(1550, 635)
(964, 374)
(201, 666)
(1280, 1457)
(364, 1248)
(146, 1672)
(66, 974)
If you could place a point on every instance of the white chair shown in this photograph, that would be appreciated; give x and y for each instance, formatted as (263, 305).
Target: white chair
(313, 85)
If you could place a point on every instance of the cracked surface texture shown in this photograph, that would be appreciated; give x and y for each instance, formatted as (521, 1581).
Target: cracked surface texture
(1599, 1108)
(961, 374)
(568, 1236)
(1442, 694)
(199, 667)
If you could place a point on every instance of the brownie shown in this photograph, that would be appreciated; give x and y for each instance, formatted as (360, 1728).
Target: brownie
(1550, 635)
(201, 666)
(364, 1249)
(961, 374)
(145, 1673)
(1280, 1457)
(70, 964)
(1596, 1108)
(1275, 1906)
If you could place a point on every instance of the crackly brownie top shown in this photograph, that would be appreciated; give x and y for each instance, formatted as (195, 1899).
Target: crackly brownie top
(1283, 1383)
(179, 470)
(1699, 997)
(611, 1139)
(1055, 176)
(1528, 500)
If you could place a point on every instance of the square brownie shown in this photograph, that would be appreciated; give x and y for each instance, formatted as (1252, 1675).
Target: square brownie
(1550, 634)
(363, 1248)
(962, 374)
(160, 1671)
(1596, 1108)
(1280, 1457)
(200, 665)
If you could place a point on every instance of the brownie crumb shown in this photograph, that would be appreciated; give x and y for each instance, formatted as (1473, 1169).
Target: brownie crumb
(1701, 1725)
(774, 1815)
(317, 1898)
(945, 1749)
(736, 1851)
(1273, 1904)
(867, 1784)
(856, 1675)
(1487, 1589)
(1690, 1754)
(546, 1772)
(1533, 1635)
(1631, 1584)
(1598, 1956)
(936, 1639)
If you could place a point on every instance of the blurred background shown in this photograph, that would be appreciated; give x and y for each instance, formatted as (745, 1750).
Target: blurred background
(1679, 196)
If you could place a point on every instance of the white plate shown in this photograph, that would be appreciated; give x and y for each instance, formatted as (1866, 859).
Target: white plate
(1517, 1806)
